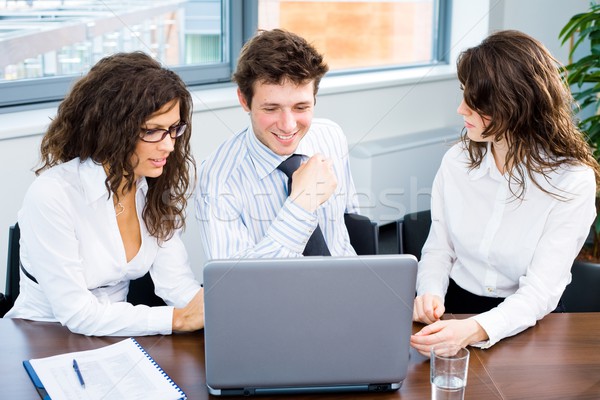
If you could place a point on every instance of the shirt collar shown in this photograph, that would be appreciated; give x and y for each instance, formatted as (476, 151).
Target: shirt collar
(308, 146)
(265, 161)
(487, 166)
(93, 177)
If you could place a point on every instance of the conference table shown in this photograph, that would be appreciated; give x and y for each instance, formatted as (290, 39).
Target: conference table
(559, 358)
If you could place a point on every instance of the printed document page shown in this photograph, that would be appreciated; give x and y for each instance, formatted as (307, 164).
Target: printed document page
(118, 371)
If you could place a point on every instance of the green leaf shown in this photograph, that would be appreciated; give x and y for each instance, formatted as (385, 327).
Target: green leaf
(589, 60)
(579, 71)
(582, 26)
(588, 93)
(580, 38)
(572, 26)
(594, 133)
(587, 103)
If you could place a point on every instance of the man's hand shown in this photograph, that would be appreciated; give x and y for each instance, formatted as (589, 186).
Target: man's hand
(313, 183)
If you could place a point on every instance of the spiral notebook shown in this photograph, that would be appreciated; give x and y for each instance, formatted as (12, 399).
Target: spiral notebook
(123, 370)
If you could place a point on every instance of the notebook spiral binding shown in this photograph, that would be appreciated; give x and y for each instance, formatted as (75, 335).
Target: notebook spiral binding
(158, 367)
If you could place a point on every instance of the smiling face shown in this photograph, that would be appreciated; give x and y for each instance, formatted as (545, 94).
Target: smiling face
(150, 158)
(281, 114)
(474, 123)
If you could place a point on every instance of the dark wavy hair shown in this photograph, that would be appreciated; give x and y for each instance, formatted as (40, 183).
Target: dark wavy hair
(275, 56)
(515, 81)
(101, 119)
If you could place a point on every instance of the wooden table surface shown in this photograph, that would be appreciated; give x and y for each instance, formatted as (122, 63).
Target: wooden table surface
(559, 358)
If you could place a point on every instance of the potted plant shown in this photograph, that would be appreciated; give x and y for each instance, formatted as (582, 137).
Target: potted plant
(584, 77)
(582, 32)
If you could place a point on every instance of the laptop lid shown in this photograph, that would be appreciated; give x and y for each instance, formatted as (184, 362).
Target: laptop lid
(310, 324)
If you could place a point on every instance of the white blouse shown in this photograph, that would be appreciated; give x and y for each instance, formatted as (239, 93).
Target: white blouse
(70, 242)
(492, 244)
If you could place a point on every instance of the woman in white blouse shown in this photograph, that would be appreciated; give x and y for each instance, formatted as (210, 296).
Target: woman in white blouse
(512, 204)
(108, 205)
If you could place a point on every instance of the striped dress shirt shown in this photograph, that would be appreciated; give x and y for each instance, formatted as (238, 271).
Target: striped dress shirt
(242, 205)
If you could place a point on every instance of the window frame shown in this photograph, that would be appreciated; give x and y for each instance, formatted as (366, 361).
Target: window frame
(240, 25)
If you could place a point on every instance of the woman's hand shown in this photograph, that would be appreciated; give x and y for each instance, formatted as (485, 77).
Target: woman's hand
(191, 317)
(459, 331)
(428, 308)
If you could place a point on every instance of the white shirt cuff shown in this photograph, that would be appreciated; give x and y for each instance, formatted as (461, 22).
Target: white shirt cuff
(160, 320)
(488, 321)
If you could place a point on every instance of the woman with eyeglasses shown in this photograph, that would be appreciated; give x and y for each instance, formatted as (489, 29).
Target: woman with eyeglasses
(108, 205)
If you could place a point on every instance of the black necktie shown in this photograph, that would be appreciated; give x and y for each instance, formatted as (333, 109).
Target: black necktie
(316, 245)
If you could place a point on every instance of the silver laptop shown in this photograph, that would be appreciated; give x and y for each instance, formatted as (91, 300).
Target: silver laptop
(311, 324)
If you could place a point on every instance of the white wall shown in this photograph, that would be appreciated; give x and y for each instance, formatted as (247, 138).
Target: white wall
(542, 19)
(368, 107)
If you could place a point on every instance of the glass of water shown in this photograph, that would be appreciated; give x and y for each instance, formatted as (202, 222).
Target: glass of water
(449, 367)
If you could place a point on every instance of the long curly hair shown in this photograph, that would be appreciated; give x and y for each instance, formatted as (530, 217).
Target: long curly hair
(275, 56)
(512, 79)
(101, 119)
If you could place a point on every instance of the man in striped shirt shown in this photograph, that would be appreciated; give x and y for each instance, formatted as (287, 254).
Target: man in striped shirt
(241, 200)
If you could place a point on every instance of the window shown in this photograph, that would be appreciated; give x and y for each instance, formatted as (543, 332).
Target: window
(47, 43)
(362, 34)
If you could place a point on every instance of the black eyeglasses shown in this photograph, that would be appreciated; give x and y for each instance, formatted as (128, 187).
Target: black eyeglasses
(158, 135)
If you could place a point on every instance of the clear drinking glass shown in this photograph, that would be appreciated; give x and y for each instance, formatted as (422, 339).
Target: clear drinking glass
(449, 367)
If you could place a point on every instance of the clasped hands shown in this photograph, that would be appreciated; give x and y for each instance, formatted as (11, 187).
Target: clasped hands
(428, 309)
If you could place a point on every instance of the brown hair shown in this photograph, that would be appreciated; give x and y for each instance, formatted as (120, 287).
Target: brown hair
(101, 118)
(514, 80)
(276, 56)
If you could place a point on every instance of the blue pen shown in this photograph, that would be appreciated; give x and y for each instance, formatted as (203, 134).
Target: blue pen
(78, 372)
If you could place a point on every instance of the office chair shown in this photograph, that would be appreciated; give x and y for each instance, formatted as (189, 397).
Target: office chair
(413, 230)
(141, 290)
(12, 270)
(364, 234)
(582, 295)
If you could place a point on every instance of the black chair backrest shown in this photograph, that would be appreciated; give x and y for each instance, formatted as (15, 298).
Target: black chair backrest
(364, 234)
(12, 267)
(141, 291)
(413, 230)
(582, 294)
